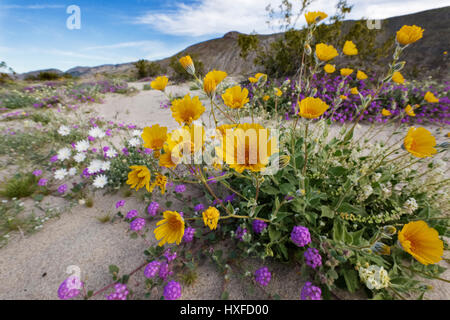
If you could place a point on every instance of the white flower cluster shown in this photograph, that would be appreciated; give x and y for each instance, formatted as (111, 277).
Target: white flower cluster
(64, 154)
(64, 130)
(96, 132)
(98, 165)
(367, 190)
(374, 277)
(386, 190)
(410, 205)
(100, 181)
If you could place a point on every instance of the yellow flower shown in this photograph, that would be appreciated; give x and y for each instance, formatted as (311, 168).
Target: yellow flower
(154, 137)
(329, 68)
(212, 80)
(211, 217)
(247, 147)
(315, 16)
(312, 108)
(343, 97)
(160, 181)
(325, 52)
(160, 83)
(398, 78)
(422, 242)
(354, 90)
(445, 52)
(409, 111)
(266, 97)
(278, 92)
(235, 97)
(171, 228)
(361, 75)
(223, 128)
(385, 112)
(255, 79)
(139, 177)
(429, 97)
(346, 72)
(409, 34)
(350, 48)
(187, 109)
(169, 159)
(420, 142)
(188, 64)
(187, 139)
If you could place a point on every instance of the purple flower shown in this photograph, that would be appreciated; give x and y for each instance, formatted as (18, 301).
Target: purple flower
(180, 188)
(42, 182)
(230, 198)
(62, 189)
(169, 255)
(137, 224)
(120, 293)
(199, 207)
(172, 291)
(164, 271)
(54, 158)
(70, 288)
(262, 276)
(188, 234)
(147, 150)
(258, 226)
(37, 173)
(120, 203)
(153, 208)
(240, 233)
(131, 214)
(310, 292)
(108, 132)
(152, 269)
(91, 138)
(313, 258)
(300, 236)
(125, 152)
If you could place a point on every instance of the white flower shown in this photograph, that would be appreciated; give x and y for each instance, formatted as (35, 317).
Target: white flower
(95, 166)
(100, 181)
(72, 172)
(60, 174)
(134, 142)
(136, 133)
(410, 205)
(111, 153)
(374, 277)
(82, 145)
(376, 176)
(96, 132)
(106, 165)
(64, 130)
(64, 154)
(79, 157)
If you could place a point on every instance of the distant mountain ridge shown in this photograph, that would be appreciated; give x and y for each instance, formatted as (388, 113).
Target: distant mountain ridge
(223, 53)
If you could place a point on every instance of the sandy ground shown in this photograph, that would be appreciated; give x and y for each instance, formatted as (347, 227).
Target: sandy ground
(32, 267)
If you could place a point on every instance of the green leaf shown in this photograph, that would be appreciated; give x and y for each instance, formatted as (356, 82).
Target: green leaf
(286, 188)
(283, 250)
(351, 279)
(113, 269)
(270, 190)
(274, 234)
(168, 204)
(327, 212)
(338, 231)
(225, 295)
(337, 171)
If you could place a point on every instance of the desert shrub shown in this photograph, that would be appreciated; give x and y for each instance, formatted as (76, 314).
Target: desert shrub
(19, 186)
(15, 99)
(148, 68)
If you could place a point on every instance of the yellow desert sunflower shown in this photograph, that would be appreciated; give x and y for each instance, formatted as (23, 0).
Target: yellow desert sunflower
(420, 142)
(212, 80)
(422, 242)
(397, 77)
(385, 112)
(160, 181)
(188, 64)
(361, 75)
(235, 97)
(354, 90)
(171, 228)
(409, 34)
(315, 16)
(329, 68)
(410, 111)
(278, 92)
(187, 109)
(350, 48)
(247, 147)
(312, 108)
(430, 97)
(160, 83)
(255, 79)
(266, 98)
(325, 52)
(346, 72)
(211, 217)
(138, 177)
(154, 137)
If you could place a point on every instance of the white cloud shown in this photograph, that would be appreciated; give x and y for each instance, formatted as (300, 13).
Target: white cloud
(212, 17)
(33, 7)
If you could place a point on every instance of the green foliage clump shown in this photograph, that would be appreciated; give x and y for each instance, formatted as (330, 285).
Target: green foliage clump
(179, 74)
(20, 186)
(148, 69)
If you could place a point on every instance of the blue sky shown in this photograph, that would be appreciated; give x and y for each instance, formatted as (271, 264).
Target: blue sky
(33, 34)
